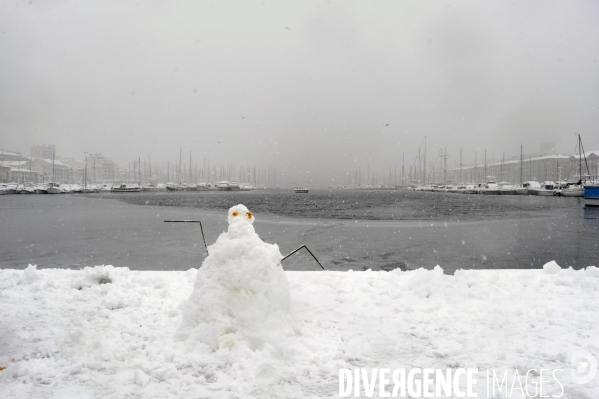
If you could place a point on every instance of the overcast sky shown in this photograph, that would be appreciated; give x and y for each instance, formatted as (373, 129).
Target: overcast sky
(317, 81)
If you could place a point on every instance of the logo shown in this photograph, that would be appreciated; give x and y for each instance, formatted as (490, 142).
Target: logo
(584, 367)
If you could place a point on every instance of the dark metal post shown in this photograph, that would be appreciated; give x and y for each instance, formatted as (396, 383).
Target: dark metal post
(303, 246)
(192, 221)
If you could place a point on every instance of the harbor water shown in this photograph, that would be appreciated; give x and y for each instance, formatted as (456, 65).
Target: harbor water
(346, 229)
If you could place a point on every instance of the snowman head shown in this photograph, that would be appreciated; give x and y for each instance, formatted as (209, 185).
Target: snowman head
(240, 214)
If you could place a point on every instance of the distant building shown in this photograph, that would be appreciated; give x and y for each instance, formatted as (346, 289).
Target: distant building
(44, 151)
(539, 168)
(4, 174)
(9, 156)
(100, 169)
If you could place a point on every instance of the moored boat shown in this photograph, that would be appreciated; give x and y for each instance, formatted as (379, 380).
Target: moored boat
(175, 187)
(301, 190)
(576, 190)
(532, 187)
(490, 188)
(591, 195)
(11, 188)
(506, 188)
(125, 188)
(470, 189)
(54, 188)
(547, 189)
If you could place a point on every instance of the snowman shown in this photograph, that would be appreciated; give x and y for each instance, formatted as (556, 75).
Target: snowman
(241, 293)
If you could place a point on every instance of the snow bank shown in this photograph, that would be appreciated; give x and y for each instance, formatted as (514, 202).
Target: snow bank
(109, 332)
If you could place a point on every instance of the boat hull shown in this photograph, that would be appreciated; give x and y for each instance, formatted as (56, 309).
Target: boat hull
(126, 190)
(572, 193)
(591, 195)
(491, 192)
(545, 193)
(154, 189)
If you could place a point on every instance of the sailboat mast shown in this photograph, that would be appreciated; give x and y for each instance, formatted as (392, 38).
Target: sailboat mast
(424, 166)
(460, 165)
(485, 177)
(580, 158)
(502, 162)
(403, 182)
(521, 182)
(475, 166)
(445, 165)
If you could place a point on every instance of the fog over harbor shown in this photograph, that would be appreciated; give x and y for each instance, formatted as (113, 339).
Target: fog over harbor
(315, 89)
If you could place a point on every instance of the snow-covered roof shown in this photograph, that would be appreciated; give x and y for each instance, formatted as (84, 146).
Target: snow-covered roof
(14, 163)
(22, 170)
(56, 163)
(587, 154)
(525, 160)
(9, 153)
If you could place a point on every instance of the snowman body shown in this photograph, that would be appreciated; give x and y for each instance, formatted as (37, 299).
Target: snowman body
(241, 293)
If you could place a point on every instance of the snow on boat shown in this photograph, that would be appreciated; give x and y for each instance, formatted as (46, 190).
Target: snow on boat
(547, 189)
(490, 188)
(125, 188)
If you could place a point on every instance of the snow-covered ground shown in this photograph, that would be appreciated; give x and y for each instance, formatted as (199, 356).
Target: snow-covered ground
(109, 332)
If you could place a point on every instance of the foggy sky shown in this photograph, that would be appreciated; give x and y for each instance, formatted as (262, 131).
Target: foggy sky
(129, 79)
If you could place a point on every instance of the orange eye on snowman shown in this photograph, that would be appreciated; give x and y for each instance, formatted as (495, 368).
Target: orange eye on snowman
(235, 213)
(250, 214)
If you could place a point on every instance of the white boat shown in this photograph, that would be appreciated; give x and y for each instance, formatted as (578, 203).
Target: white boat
(224, 186)
(41, 188)
(54, 188)
(11, 188)
(153, 187)
(175, 187)
(532, 187)
(203, 186)
(576, 190)
(76, 188)
(547, 189)
(470, 189)
(506, 188)
(3, 189)
(490, 188)
(301, 190)
(457, 190)
(125, 188)
(26, 188)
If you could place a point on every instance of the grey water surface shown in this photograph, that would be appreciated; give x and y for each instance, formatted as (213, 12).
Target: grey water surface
(346, 229)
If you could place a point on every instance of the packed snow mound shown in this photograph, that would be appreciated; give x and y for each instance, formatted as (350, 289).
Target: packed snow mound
(241, 294)
(551, 267)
